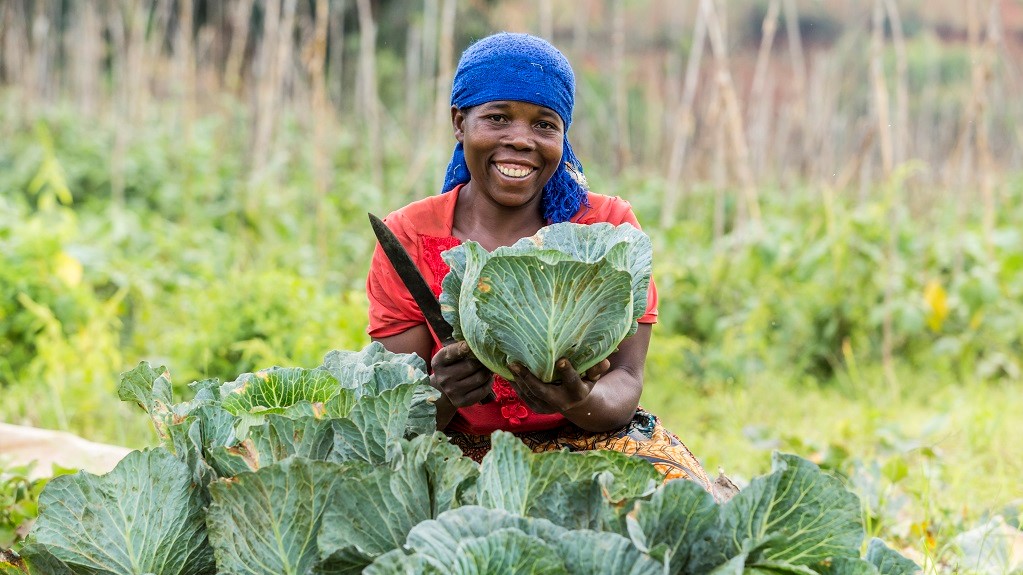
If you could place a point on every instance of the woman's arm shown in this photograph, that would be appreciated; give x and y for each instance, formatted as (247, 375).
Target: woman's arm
(454, 371)
(595, 403)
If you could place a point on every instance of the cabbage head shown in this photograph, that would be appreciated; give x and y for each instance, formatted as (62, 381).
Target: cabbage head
(571, 290)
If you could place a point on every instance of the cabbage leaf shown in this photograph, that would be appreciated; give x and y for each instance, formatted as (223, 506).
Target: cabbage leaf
(379, 505)
(339, 469)
(145, 516)
(445, 542)
(673, 522)
(267, 521)
(794, 517)
(576, 490)
(572, 291)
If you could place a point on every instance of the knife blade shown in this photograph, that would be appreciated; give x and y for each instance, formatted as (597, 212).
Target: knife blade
(416, 284)
(413, 280)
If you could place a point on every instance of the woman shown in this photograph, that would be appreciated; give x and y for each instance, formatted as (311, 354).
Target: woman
(513, 172)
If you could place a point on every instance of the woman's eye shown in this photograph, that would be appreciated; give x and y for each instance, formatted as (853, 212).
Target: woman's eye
(496, 118)
(546, 126)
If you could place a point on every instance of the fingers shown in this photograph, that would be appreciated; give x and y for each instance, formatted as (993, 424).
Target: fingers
(464, 369)
(594, 373)
(459, 379)
(532, 395)
(521, 373)
(475, 396)
(464, 392)
(575, 388)
(453, 353)
(566, 373)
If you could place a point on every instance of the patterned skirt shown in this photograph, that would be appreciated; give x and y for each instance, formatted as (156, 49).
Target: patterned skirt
(644, 437)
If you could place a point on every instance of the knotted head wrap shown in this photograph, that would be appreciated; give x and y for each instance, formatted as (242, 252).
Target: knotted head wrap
(522, 68)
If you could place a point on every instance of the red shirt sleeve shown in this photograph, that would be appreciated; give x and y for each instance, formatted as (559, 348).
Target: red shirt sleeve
(391, 307)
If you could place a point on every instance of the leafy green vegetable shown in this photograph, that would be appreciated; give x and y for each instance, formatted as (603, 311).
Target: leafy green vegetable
(506, 551)
(428, 478)
(571, 489)
(273, 390)
(672, 522)
(35, 560)
(879, 560)
(145, 516)
(266, 521)
(887, 561)
(445, 542)
(19, 500)
(331, 471)
(796, 516)
(571, 290)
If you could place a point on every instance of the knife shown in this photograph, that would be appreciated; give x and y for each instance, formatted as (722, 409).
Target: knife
(416, 284)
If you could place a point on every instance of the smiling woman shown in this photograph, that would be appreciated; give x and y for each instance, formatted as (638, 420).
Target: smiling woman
(513, 148)
(512, 173)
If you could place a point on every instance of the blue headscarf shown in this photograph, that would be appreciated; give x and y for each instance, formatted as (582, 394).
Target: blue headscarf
(522, 68)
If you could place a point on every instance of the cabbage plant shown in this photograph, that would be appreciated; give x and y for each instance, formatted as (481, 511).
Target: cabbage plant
(572, 291)
(333, 470)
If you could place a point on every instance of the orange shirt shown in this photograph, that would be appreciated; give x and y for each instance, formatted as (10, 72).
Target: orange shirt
(424, 228)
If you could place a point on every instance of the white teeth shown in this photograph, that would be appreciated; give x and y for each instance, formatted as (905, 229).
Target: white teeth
(514, 172)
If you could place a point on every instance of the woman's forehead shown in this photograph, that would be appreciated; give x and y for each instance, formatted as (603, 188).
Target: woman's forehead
(506, 105)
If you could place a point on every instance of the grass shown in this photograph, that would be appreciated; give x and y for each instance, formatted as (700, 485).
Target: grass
(929, 459)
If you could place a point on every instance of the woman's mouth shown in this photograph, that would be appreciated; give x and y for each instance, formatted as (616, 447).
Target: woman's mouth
(514, 170)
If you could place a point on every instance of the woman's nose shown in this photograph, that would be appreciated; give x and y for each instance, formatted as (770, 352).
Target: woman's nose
(519, 135)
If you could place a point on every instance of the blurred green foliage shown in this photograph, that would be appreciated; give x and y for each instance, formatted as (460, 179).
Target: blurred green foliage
(200, 266)
(807, 295)
(19, 500)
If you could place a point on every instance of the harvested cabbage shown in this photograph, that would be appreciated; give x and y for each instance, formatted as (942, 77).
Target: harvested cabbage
(572, 291)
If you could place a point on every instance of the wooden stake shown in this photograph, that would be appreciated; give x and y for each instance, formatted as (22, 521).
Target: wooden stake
(321, 124)
(240, 19)
(622, 145)
(877, 82)
(758, 107)
(683, 123)
(798, 107)
(733, 113)
(545, 15)
(900, 143)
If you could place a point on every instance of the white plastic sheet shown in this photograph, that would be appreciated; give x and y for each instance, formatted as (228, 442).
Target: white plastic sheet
(20, 445)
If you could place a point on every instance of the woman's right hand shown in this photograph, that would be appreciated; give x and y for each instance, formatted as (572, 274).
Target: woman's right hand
(460, 376)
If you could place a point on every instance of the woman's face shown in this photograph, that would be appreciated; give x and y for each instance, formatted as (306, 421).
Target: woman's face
(511, 148)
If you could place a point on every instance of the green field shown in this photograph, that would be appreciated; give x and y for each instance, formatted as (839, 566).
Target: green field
(768, 339)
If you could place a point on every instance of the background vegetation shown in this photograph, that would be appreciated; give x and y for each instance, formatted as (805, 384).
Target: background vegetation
(834, 190)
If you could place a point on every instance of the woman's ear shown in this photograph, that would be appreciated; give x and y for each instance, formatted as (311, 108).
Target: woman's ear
(458, 122)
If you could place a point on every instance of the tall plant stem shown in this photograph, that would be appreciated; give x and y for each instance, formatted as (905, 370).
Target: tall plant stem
(240, 19)
(445, 73)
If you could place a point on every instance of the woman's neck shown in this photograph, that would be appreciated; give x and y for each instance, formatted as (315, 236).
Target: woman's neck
(493, 225)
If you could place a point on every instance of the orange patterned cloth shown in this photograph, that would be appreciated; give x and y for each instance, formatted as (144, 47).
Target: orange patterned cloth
(643, 437)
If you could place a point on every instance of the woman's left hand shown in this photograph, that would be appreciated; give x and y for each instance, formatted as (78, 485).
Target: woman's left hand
(559, 396)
